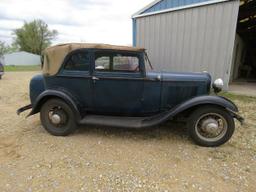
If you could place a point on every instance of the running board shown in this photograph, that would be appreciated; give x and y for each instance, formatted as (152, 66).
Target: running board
(122, 122)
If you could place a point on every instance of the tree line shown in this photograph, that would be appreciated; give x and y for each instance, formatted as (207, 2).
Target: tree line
(32, 37)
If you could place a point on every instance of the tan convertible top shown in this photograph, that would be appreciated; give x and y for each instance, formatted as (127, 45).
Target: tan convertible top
(54, 56)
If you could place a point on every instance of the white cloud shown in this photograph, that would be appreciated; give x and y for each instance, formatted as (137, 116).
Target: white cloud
(100, 21)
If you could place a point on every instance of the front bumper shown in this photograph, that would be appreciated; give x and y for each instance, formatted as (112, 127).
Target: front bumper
(25, 108)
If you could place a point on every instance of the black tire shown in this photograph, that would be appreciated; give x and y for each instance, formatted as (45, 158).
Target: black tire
(199, 113)
(62, 129)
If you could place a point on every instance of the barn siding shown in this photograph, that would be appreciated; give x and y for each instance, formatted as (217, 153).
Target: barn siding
(21, 58)
(196, 39)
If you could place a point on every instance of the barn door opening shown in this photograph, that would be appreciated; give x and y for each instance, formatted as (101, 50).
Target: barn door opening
(244, 59)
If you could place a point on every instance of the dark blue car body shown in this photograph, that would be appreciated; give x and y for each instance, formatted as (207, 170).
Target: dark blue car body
(123, 93)
(1, 70)
(101, 95)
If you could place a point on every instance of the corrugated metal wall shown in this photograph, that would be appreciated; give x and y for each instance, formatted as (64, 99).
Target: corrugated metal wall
(196, 39)
(21, 58)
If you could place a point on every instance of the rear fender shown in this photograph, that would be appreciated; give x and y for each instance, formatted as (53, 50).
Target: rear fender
(48, 94)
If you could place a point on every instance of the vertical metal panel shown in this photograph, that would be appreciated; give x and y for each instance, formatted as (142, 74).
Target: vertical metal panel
(167, 4)
(196, 39)
(21, 58)
(134, 31)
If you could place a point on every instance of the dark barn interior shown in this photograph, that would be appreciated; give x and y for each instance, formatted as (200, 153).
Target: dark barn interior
(244, 68)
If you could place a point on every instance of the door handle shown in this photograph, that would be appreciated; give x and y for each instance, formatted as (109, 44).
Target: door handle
(95, 78)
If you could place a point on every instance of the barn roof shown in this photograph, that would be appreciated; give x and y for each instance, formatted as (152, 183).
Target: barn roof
(161, 6)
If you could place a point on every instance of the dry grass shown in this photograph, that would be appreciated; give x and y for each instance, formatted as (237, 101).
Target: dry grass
(97, 158)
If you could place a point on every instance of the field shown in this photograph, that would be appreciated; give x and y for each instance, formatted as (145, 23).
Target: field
(22, 68)
(107, 159)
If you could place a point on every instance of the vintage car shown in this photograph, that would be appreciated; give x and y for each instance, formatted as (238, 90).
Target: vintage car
(1, 70)
(106, 85)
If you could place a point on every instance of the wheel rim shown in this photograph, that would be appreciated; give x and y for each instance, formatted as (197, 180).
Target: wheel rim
(57, 116)
(211, 127)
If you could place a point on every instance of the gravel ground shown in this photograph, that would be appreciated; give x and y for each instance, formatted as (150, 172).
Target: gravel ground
(107, 159)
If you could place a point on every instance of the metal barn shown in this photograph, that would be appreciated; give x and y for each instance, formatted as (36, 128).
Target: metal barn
(21, 58)
(199, 35)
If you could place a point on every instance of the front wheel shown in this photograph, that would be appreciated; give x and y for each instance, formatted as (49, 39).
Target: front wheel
(58, 118)
(211, 126)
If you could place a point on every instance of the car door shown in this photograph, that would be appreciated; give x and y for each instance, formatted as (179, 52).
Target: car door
(75, 78)
(117, 82)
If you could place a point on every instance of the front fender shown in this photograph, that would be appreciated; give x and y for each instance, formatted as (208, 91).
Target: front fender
(48, 94)
(196, 101)
(204, 100)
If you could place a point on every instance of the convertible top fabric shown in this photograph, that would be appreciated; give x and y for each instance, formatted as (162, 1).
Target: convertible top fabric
(55, 55)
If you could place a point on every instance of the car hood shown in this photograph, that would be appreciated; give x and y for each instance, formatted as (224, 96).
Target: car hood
(200, 81)
(166, 76)
(180, 87)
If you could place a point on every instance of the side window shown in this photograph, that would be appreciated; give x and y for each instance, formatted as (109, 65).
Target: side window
(110, 61)
(102, 62)
(79, 61)
(126, 63)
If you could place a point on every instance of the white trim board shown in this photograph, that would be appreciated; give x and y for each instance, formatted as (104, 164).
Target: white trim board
(138, 14)
(145, 8)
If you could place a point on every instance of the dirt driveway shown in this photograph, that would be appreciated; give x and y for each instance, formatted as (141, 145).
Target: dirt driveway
(101, 159)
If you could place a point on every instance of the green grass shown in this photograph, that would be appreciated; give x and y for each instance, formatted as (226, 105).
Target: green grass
(22, 68)
(233, 96)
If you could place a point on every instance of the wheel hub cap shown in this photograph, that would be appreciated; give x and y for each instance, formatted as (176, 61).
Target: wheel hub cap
(210, 126)
(55, 119)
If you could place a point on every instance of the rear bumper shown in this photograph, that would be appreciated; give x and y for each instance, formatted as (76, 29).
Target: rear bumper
(25, 108)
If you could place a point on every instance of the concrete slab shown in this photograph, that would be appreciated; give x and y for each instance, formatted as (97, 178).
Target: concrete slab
(243, 88)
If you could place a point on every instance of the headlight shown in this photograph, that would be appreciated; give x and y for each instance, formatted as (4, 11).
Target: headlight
(218, 85)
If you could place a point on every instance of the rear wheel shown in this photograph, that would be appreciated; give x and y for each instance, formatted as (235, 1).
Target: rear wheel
(211, 126)
(58, 118)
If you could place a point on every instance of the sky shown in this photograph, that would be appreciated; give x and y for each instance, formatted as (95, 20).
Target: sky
(90, 21)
